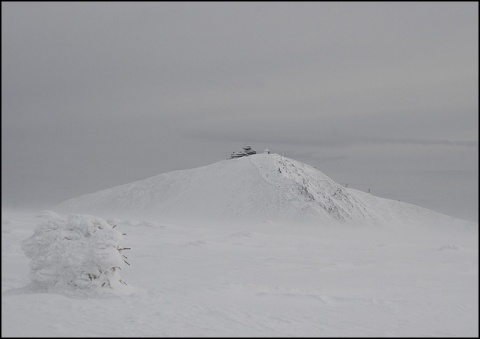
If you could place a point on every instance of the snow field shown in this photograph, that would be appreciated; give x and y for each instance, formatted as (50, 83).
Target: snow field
(259, 279)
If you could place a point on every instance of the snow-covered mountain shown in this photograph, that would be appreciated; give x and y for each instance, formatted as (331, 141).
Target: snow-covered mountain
(261, 187)
(205, 263)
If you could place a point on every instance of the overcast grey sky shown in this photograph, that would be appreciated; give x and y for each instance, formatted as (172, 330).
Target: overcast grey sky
(377, 95)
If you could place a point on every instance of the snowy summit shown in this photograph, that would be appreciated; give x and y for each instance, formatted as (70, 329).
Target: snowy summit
(242, 247)
(258, 187)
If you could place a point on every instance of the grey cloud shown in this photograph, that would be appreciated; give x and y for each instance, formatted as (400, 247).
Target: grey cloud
(97, 94)
(421, 142)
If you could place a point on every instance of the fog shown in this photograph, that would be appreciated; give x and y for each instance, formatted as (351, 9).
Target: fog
(379, 96)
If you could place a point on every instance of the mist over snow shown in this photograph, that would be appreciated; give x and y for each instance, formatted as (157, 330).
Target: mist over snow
(111, 229)
(255, 188)
(256, 246)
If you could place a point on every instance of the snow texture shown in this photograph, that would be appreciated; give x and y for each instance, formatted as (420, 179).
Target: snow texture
(260, 246)
(260, 187)
(75, 253)
(259, 280)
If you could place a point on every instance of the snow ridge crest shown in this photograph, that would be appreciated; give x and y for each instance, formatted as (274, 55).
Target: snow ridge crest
(260, 187)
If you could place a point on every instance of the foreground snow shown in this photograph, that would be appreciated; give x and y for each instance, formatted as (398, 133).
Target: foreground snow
(264, 279)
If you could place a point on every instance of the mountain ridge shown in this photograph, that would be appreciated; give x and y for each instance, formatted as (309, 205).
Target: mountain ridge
(260, 187)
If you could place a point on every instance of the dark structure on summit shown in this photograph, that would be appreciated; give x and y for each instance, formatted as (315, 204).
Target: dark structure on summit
(247, 150)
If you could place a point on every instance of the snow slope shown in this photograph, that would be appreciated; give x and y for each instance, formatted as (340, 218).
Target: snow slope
(261, 187)
(246, 247)
(258, 280)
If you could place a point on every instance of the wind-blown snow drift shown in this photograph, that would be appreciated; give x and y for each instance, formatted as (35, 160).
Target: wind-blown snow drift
(261, 187)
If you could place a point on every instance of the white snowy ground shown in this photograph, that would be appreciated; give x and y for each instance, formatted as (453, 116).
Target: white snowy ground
(260, 280)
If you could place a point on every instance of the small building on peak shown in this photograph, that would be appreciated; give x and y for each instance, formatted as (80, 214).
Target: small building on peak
(247, 150)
